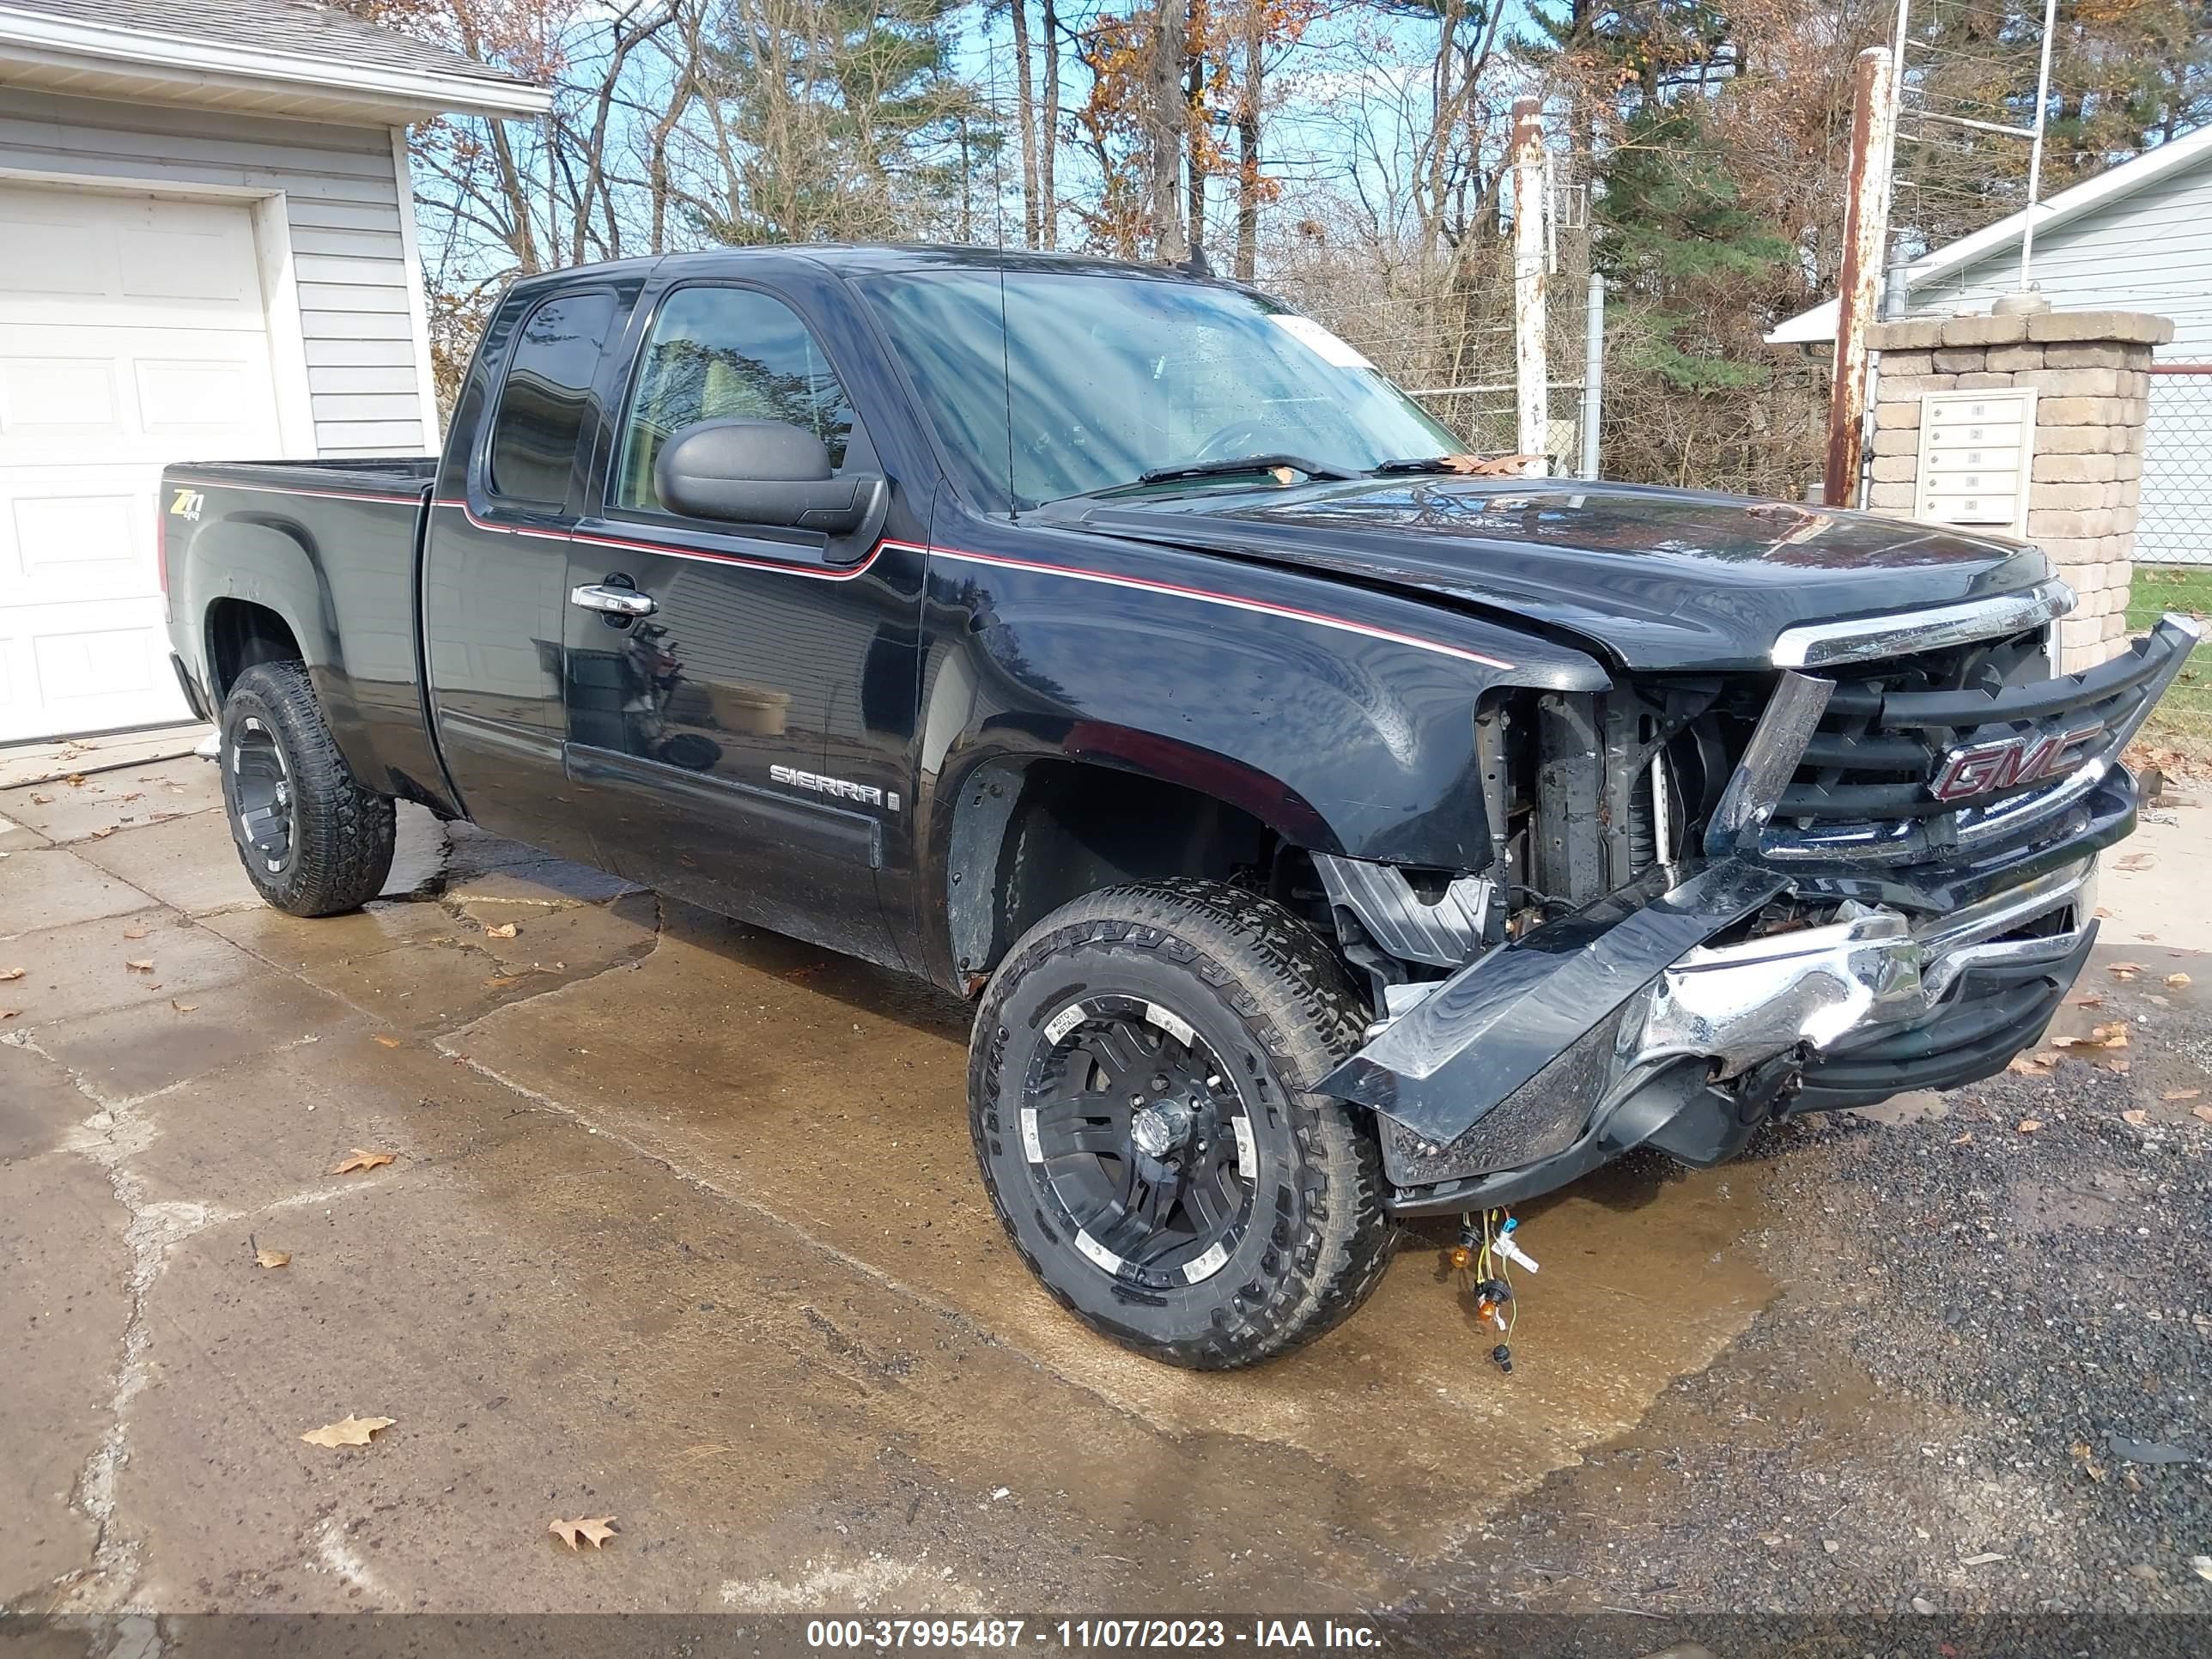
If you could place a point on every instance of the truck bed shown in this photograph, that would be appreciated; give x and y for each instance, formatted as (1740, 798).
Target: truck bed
(331, 547)
(397, 476)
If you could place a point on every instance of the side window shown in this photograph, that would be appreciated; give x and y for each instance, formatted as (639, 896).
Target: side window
(726, 354)
(541, 406)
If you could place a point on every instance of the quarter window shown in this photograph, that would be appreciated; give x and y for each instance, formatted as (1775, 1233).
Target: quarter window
(727, 354)
(541, 407)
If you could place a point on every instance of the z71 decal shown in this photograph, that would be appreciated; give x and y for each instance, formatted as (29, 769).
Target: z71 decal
(188, 504)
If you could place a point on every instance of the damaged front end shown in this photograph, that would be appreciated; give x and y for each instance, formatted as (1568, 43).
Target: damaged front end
(1718, 901)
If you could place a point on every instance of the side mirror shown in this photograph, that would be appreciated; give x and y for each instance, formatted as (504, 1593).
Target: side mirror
(762, 472)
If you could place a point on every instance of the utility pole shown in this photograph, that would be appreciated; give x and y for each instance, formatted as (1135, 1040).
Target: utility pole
(1866, 235)
(1530, 374)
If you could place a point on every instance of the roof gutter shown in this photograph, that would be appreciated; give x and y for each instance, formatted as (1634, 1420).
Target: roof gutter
(196, 61)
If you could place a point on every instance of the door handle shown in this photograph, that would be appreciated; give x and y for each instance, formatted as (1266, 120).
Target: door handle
(615, 601)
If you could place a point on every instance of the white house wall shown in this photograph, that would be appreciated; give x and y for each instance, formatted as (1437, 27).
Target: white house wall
(2150, 250)
(341, 198)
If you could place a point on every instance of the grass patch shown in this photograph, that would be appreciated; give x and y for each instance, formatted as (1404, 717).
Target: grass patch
(2183, 720)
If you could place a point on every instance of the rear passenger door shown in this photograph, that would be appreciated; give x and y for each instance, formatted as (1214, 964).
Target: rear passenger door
(494, 600)
(746, 744)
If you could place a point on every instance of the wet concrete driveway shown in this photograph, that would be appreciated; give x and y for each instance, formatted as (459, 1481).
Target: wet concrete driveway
(681, 1225)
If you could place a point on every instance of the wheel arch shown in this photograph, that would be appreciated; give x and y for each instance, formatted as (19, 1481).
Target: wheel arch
(1028, 832)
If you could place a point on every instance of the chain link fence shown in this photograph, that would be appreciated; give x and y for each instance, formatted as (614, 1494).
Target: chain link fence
(1443, 327)
(2173, 522)
(2174, 539)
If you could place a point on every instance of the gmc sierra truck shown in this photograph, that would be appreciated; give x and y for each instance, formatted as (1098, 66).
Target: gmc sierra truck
(1328, 835)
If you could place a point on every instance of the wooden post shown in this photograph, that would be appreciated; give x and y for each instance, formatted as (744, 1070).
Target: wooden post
(1531, 376)
(1866, 232)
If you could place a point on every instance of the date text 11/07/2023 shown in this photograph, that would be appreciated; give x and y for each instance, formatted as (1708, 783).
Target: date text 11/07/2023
(1086, 1635)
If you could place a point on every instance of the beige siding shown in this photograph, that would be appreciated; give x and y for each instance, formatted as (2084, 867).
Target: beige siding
(2148, 250)
(341, 198)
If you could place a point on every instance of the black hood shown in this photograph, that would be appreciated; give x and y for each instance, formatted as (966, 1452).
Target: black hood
(1658, 579)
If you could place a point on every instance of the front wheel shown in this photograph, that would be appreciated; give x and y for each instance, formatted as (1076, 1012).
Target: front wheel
(1140, 1091)
(313, 842)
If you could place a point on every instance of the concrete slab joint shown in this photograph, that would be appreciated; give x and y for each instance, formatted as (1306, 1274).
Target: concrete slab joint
(2090, 373)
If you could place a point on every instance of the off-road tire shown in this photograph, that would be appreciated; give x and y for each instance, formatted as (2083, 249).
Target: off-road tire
(341, 833)
(1272, 1003)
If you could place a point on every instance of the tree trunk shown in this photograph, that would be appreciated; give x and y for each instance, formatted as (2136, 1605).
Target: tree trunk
(1248, 143)
(1025, 106)
(1166, 120)
(1195, 119)
(1048, 149)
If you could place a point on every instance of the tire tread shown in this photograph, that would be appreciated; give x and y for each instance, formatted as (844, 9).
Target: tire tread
(344, 832)
(1287, 981)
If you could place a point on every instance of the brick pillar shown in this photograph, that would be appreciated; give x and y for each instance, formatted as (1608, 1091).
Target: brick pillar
(2089, 369)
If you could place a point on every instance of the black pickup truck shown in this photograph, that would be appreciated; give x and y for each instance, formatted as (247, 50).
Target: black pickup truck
(1328, 835)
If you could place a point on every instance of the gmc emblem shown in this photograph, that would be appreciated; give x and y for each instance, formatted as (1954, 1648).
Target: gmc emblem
(2010, 761)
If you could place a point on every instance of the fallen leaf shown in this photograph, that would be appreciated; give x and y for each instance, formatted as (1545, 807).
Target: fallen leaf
(1494, 466)
(2094, 1000)
(2135, 861)
(2137, 1118)
(362, 1160)
(2124, 969)
(2181, 1094)
(141, 965)
(2028, 1125)
(6, 974)
(2204, 1112)
(136, 932)
(102, 834)
(182, 1007)
(388, 1042)
(501, 981)
(595, 1530)
(75, 779)
(9, 1013)
(268, 1258)
(505, 930)
(42, 800)
(1966, 1140)
(2029, 1066)
(2179, 981)
(350, 1431)
(2117, 1066)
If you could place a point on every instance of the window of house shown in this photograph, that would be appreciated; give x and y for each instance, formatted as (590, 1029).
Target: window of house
(542, 404)
(726, 354)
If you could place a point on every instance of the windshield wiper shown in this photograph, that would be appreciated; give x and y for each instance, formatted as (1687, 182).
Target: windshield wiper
(1417, 463)
(1230, 467)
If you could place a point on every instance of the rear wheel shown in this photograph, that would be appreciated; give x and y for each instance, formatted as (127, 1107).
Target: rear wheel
(314, 843)
(1139, 1088)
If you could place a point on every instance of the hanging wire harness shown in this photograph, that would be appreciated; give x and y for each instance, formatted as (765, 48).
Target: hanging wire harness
(1483, 1261)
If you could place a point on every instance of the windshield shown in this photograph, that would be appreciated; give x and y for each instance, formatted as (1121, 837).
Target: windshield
(1104, 378)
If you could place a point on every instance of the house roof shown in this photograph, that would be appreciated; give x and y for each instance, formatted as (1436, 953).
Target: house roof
(284, 55)
(1818, 325)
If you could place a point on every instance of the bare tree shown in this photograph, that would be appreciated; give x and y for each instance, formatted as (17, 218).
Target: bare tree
(1166, 119)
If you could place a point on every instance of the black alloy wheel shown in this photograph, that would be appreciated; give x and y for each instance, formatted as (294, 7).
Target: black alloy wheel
(1139, 1089)
(1140, 1141)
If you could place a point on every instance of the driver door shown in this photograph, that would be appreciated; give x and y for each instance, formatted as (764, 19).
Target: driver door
(742, 742)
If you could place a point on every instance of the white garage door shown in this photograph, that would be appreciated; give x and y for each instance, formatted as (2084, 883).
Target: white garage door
(131, 335)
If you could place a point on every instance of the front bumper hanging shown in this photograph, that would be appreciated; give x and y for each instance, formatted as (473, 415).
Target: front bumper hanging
(1623, 1026)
